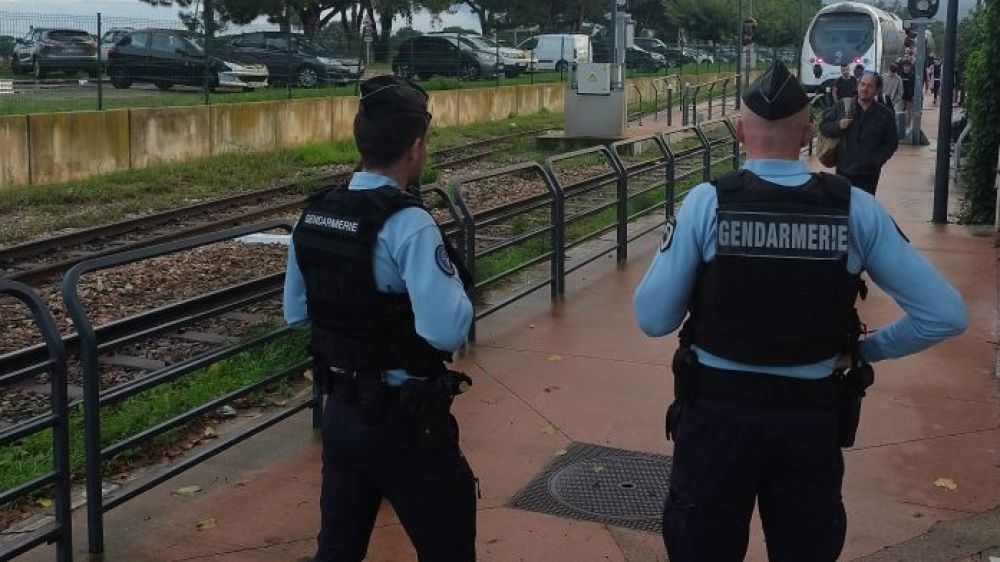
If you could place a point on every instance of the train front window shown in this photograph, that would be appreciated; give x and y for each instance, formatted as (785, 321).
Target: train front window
(842, 38)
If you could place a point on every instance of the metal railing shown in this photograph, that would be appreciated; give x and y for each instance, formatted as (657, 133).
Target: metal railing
(587, 200)
(581, 211)
(691, 95)
(56, 421)
(94, 341)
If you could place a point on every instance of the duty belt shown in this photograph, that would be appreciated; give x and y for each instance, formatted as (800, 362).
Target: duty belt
(759, 390)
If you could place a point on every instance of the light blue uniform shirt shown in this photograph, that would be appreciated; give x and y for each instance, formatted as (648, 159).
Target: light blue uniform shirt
(405, 261)
(933, 308)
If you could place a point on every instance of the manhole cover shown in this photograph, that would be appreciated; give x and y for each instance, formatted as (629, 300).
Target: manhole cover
(593, 483)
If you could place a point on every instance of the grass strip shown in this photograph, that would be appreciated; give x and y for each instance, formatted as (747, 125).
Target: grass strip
(32, 456)
(27, 212)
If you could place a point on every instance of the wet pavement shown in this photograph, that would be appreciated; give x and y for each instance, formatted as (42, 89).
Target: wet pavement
(547, 375)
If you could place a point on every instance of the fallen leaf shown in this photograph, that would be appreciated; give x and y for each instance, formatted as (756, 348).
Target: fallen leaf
(45, 502)
(946, 483)
(187, 490)
(532, 326)
(551, 388)
(210, 433)
(308, 375)
(555, 357)
(549, 430)
(207, 524)
(598, 468)
(560, 452)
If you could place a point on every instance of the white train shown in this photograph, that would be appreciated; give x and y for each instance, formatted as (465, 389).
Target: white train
(849, 33)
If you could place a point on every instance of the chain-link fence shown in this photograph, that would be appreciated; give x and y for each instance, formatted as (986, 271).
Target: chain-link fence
(51, 62)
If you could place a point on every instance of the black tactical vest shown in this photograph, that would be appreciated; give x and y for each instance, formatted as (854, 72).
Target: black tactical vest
(778, 291)
(354, 326)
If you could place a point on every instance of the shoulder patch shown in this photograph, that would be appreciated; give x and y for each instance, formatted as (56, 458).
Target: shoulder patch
(668, 233)
(443, 261)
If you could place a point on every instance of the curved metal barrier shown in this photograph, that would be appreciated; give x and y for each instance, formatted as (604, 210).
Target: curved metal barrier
(549, 234)
(95, 341)
(589, 217)
(642, 200)
(56, 421)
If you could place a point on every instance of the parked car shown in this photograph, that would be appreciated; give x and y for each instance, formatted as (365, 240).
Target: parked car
(673, 55)
(111, 38)
(636, 57)
(42, 51)
(430, 55)
(304, 62)
(515, 61)
(699, 56)
(167, 58)
(558, 51)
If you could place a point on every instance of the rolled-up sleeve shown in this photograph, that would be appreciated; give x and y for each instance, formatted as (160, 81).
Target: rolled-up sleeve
(933, 308)
(662, 297)
(441, 309)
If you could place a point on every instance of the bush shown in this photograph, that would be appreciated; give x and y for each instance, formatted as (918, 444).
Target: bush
(981, 82)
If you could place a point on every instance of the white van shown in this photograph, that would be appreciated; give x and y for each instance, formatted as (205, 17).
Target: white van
(558, 51)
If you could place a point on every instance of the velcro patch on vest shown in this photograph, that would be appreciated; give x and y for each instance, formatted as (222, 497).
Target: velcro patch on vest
(782, 235)
(332, 223)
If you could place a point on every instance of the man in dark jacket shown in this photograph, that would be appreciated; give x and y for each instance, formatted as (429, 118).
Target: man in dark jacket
(846, 86)
(868, 136)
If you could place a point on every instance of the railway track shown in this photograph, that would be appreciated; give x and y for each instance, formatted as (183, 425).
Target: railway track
(48, 258)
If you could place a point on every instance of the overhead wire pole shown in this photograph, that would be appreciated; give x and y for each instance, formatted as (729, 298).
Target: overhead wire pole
(208, 12)
(940, 214)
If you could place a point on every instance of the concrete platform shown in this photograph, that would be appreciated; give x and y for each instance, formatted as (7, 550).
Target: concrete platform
(546, 375)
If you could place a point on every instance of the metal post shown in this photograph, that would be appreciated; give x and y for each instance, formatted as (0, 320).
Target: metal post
(496, 66)
(916, 134)
(944, 123)
(670, 105)
(711, 92)
(739, 58)
(208, 12)
(656, 101)
(684, 105)
(100, 65)
(288, 60)
(724, 84)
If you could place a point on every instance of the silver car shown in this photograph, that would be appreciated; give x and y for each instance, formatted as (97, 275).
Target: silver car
(42, 51)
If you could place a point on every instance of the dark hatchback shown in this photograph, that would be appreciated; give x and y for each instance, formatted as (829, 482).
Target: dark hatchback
(432, 55)
(168, 58)
(304, 62)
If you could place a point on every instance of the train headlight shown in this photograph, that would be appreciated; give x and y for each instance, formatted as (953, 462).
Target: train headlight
(923, 8)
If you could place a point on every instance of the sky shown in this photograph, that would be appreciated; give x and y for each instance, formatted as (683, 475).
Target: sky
(19, 23)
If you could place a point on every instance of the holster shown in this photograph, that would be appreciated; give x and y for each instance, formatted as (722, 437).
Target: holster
(685, 368)
(855, 382)
(430, 400)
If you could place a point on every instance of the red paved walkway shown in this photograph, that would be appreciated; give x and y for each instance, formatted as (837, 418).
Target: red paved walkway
(581, 371)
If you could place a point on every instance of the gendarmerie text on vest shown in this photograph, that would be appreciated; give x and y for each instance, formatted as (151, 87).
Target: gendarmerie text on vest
(782, 234)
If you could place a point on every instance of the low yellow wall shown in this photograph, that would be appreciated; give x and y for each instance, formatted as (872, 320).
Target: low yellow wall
(344, 110)
(15, 162)
(304, 121)
(57, 147)
(169, 134)
(245, 127)
(69, 146)
(444, 106)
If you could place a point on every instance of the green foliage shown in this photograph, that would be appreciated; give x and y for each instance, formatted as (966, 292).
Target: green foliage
(780, 22)
(30, 457)
(982, 104)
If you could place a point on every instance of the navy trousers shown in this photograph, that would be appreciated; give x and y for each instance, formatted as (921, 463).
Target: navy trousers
(727, 457)
(432, 491)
